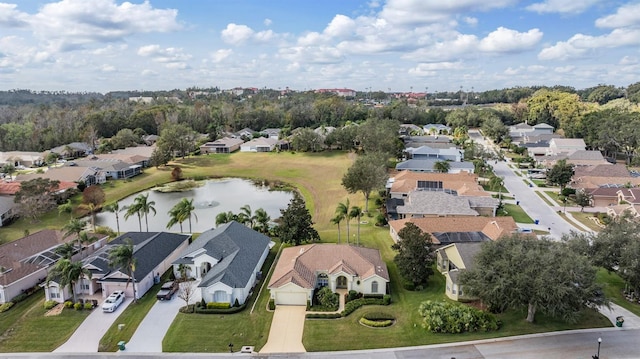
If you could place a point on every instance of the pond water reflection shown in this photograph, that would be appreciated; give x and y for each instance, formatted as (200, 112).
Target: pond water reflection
(214, 197)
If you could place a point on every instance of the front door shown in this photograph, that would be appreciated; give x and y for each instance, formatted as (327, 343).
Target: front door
(341, 282)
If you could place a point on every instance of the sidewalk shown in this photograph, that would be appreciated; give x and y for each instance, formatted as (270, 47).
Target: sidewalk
(631, 321)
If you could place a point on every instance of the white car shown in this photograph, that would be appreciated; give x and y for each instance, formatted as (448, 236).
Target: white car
(113, 301)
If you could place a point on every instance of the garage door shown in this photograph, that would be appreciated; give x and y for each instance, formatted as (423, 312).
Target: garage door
(291, 298)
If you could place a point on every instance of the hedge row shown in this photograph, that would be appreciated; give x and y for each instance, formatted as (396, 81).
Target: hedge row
(376, 323)
(228, 310)
(378, 316)
(324, 315)
(351, 306)
(6, 306)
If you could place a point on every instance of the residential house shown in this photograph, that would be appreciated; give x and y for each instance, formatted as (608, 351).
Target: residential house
(428, 203)
(565, 145)
(271, 133)
(447, 230)
(436, 129)
(227, 260)
(22, 158)
(302, 270)
(68, 173)
(442, 154)
(223, 145)
(431, 141)
(153, 251)
(245, 134)
(521, 132)
(576, 158)
(259, 144)
(629, 211)
(609, 175)
(8, 207)
(115, 165)
(462, 183)
(429, 165)
(73, 150)
(408, 129)
(145, 153)
(324, 130)
(627, 202)
(150, 140)
(604, 196)
(25, 262)
(452, 260)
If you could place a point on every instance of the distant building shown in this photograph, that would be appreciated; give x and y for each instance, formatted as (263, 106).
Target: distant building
(339, 92)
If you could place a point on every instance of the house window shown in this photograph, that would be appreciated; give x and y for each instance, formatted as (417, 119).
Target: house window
(374, 287)
(455, 289)
(323, 280)
(460, 291)
(220, 296)
(54, 292)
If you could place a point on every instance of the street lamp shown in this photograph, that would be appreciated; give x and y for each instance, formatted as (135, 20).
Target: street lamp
(597, 356)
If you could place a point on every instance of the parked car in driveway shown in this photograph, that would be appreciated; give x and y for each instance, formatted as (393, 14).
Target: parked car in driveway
(113, 301)
(167, 290)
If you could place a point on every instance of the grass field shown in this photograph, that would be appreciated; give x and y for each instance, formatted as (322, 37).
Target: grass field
(518, 214)
(25, 328)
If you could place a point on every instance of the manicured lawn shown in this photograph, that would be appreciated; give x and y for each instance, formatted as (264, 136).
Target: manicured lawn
(613, 286)
(214, 332)
(131, 317)
(583, 218)
(24, 328)
(545, 199)
(518, 214)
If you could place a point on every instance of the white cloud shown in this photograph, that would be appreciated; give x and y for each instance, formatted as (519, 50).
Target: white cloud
(312, 54)
(341, 26)
(579, 45)
(626, 15)
(220, 55)
(564, 69)
(171, 57)
(10, 17)
(148, 72)
(431, 69)
(236, 34)
(72, 24)
(107, 68)
(267, 22)
(562, 6)
(506, 40)
(471, 21)
(428, 11)
(629, 60)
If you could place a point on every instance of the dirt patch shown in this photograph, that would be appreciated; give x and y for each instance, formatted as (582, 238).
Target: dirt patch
(55, 310)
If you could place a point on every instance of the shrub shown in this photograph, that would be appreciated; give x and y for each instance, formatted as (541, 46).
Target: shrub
(230, 310)
(88, 306)
(444, 317)
(236, 303)
(77, 306)
(376, 296)
(376, 323)
(308, 304)
(380, 220)
(355, 304)
(328, 298)
(409, 286)
(352, 295)
(568, 191)
(50, 304)
(218, 305)
(6, 306)
(68, 304)
(378, 316)
(19, 298)
(324, 315)
(386, 299)
(272, 304)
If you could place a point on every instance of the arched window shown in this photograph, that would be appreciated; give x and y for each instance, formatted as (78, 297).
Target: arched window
(323, 280)
(374, 287)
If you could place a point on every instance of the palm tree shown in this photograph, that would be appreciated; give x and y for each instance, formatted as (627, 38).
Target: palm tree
(74, 227)
(92, 211)
(114, 208)
(176, 216)
(189, 210)
(83, 237)
(262, 220)
(66, 272)
(145, 206)
(182, 211)
(122, 256)
(65, 250)
(130, 211)
(344, 209)
(225, 217)
(66, 207)
(356, 212)
(336, 220)
(442, 166)
(246, 216)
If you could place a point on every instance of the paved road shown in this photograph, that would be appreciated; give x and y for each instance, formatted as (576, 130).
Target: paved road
(616, 343)
(87, 337)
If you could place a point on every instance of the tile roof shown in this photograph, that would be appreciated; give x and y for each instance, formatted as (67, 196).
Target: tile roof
(301, 264)
(464, 183)
(603, 170)
(441, 203)
(492, 227)
(428, 165)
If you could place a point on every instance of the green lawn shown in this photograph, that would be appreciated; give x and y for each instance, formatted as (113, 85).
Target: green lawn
(613, 286)
(214, 332)
(583, 218)
(25, 328)
(545, 199)
(518, 214)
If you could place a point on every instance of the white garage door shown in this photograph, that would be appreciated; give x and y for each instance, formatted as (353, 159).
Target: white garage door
(291, 298)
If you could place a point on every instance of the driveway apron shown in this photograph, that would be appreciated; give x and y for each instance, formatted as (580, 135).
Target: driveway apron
(285, 335)
(87, 337)
(148, 337)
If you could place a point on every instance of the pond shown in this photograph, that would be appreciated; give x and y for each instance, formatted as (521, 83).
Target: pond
(214, 197)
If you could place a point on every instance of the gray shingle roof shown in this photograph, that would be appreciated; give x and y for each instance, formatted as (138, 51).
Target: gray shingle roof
(427, 165)
(437, 203)
(238, 249)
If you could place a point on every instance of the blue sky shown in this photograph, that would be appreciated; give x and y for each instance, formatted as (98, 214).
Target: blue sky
(397, 45)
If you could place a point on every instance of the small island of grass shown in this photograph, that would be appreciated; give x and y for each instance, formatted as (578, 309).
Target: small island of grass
(179, 186)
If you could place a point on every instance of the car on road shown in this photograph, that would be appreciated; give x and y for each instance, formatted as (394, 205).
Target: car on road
(113, 301)
(167, 290)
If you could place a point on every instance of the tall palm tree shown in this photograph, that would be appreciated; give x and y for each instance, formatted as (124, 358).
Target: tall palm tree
(122, 256)
(344, 209)
(356, 212)
(67, 272)
(225, 217)
(176, 216)
(74, 227)
(182, 211)
(66, 207)
(188, 209)
(85, 238)
(246, 216)
(336, 220)
(145, 206)
(262, 220)
(114, 208)
(130, 211)
(65, 250)
(442, 166)
(92, 212)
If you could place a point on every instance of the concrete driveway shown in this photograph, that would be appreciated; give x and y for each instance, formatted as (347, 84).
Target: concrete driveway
(285, 335)
(148, 337)
(87, 337)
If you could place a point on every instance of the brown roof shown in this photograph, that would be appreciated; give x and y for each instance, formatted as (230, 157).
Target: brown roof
(595, 182)
(604, 170)
(62, 174)
(12, 253)
(300, 265)
(464, 183)
(492, 227)
(9, 188)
